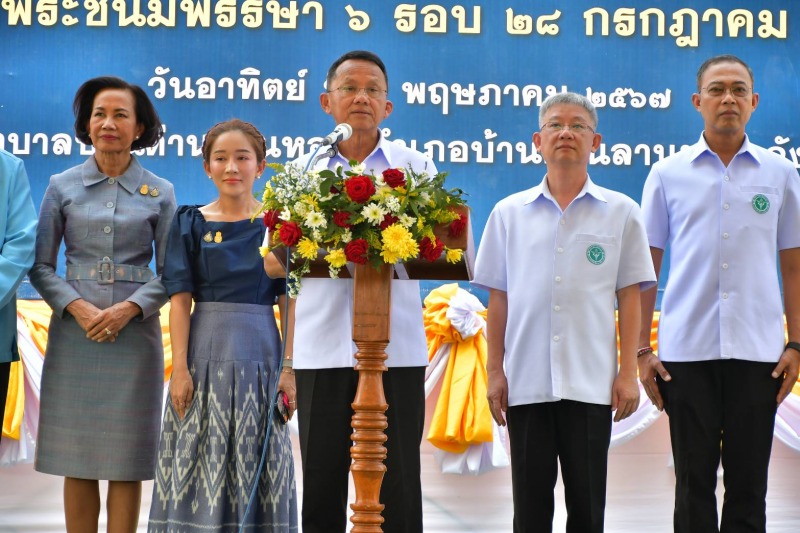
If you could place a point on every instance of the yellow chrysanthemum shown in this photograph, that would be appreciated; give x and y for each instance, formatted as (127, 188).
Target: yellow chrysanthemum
(389, 257)
(263, 250)
(453, 255)
(307, 248)
(398, 241)
(336, 258)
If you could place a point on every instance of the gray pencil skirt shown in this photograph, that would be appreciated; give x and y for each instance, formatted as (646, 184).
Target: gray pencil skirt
(100, 406)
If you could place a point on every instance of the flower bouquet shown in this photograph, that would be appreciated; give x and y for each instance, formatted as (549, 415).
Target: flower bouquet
(351, 215)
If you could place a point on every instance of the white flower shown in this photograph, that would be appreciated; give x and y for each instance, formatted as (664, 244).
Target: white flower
(316, 235)
(358, 169)
(424, 197)
(374, 213)
(315, 220)
(301, 208)
(406, 220)
(347, 236)
(285, 215)
(393, 204)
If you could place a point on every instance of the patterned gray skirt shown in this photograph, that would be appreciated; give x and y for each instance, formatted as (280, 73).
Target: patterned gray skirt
(101, 402)
(207, 462)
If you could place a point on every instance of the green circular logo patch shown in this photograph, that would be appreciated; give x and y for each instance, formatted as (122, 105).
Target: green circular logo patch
(595, 254)
(760, 203)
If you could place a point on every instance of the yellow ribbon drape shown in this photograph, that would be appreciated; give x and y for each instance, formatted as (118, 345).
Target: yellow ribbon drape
(461, 417)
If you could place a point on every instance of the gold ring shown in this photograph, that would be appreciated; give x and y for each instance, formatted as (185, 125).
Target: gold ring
(108, 331)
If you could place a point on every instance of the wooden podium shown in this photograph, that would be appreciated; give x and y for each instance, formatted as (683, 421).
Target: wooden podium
(371, 333)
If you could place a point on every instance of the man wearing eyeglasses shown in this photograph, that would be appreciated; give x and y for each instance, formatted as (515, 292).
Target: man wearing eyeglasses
(323, 357)
(726, 208)
(554, 259)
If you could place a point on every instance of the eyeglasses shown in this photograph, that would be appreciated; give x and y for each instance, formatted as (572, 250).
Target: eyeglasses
(557, 127)
(372, 92)
(717, 90)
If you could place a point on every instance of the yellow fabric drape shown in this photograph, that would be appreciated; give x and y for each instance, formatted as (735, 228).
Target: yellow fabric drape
(462, 416)
(15, 402)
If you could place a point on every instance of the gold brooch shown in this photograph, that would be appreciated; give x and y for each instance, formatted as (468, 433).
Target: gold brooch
(154, 192)
(144, 189)
(218, 237)
(207, 237)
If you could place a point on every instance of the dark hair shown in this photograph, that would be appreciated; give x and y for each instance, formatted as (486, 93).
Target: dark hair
(724, 58)
(356, 54)
(235, 124)
(146, 114)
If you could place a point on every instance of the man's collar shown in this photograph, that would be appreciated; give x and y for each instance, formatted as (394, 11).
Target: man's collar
(701, 147)
(589, 187)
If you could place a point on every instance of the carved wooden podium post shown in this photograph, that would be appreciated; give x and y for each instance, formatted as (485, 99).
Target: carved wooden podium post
(371, 329)
(371, 332)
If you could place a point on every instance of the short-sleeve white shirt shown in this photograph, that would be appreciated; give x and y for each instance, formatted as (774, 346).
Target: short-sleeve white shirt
(724, 227)
(324, 309)
(561, 270)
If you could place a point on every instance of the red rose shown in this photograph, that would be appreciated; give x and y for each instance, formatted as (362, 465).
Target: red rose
(394, 178)
(342, 219)
(430, 250)
(457, 226)
(359, 188)
(290, 233)
(271, 218)
(356, 251)
(388, 220)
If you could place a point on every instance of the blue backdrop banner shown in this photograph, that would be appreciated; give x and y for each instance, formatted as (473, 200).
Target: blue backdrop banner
(466, 78)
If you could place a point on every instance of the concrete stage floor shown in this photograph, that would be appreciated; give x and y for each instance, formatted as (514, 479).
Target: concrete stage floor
(640, 493)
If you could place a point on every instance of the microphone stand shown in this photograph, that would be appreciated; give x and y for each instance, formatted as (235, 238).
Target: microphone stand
(332, 150)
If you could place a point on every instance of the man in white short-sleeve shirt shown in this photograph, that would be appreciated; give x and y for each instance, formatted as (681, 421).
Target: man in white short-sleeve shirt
(555, 258)
(726, 208)
(323, 351)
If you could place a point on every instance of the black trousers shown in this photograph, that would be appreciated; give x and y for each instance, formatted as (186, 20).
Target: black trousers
(720, 410)
(324, 399)
(5, 370)
(577, 435)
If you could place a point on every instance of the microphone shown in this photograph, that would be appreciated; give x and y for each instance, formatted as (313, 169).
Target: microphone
(342, 132)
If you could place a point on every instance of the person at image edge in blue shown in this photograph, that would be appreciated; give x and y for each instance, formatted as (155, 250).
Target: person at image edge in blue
(18, 233)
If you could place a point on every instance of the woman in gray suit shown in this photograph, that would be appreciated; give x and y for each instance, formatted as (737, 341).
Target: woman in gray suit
(102, 382)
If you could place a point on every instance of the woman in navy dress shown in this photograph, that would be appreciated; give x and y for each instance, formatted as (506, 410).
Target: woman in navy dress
(226, 356)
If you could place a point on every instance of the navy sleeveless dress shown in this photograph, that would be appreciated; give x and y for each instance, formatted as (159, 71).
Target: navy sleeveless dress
(207, 462)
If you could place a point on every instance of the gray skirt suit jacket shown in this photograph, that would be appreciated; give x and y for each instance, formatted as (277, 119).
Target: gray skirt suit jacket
(101, 403)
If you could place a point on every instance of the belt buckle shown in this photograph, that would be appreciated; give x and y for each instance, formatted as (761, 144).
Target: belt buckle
(105, 271)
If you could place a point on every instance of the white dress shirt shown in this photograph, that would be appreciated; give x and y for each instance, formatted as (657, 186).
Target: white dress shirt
(724, 227)
(324, 311)
(561, 270)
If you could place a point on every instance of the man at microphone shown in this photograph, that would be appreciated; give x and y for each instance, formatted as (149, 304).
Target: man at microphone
(357, 95)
